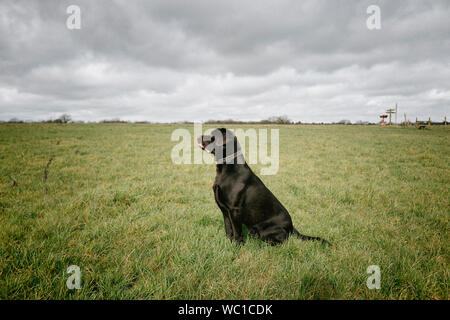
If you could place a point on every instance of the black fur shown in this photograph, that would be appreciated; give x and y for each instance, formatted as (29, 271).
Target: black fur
(242, 196)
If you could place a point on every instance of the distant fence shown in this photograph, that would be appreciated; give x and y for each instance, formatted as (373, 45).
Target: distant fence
(427, 124)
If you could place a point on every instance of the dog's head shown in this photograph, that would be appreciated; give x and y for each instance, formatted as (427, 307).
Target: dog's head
(223, 144)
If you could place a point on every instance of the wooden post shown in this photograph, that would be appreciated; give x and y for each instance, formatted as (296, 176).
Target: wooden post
(404, 123)
(417, 123)
(396, 113)
(390, 112)
(445, 121)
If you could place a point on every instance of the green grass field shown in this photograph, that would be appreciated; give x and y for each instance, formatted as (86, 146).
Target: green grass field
(140, 227)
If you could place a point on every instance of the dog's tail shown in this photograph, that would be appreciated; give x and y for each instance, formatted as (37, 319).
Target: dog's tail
(303, 237)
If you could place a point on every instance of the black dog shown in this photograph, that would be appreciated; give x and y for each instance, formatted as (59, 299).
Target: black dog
(242, 196)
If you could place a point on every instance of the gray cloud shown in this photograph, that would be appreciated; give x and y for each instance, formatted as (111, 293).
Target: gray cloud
(199, 60)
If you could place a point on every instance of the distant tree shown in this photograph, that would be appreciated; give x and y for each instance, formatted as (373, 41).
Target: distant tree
(344, 121)
(228, 121)
(15, 120)
(279, 120)
(114, 120)
(141, 122)
(64, 118)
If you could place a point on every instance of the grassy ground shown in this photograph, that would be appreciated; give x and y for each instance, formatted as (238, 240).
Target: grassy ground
(140, 227)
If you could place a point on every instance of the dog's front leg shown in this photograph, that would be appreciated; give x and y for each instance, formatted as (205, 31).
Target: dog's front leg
(236, 224)
(228, 226)
(227, 222)
(225, 212)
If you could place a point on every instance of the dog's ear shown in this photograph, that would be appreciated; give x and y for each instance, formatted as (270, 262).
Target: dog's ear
(227, 135)
(219, 137)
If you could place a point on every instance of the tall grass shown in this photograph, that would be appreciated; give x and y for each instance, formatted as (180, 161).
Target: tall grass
(140, 227)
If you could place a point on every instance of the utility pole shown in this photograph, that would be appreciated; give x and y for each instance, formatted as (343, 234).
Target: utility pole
(396, 113)
(390, 112)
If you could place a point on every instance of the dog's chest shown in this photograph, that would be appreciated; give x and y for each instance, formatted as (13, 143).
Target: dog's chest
(219, 193)
(222, 190)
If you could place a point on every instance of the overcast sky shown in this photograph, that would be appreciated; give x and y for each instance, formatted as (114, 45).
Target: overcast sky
(246, 60)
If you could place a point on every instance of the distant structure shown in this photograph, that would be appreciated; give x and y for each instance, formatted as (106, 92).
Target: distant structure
(419, 124)
(390, 112)
(382, 122)
(423, 124)
(396, 111)
(405, 122)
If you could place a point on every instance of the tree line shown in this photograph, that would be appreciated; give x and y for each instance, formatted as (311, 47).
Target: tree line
(67, 118)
